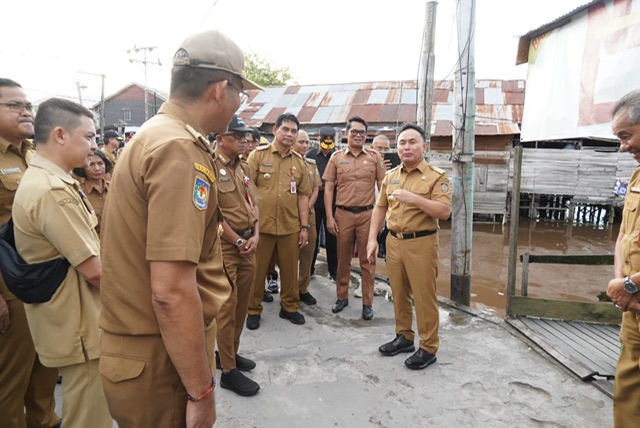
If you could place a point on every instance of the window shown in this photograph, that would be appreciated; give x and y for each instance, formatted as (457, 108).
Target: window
(127, 114)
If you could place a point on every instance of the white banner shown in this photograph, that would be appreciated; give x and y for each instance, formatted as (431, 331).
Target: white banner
(578, 71)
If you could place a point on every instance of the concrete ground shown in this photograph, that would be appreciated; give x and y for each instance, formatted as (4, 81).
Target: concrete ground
(329, 373)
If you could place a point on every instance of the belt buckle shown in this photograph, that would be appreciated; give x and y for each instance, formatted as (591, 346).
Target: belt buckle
(400, 236)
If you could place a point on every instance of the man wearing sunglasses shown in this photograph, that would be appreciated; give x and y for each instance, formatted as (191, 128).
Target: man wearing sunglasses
(354, 171)
(236, 198)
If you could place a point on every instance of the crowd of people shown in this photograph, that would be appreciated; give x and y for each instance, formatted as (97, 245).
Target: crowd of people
(169, 252)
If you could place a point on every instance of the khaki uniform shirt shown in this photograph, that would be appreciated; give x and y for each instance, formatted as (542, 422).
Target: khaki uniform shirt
(428, 182)
(52, 220)
(631, 226)
(355, 176)
(110, 154)
(279, 180)
(96, 198)
(13, 164)
(316, 181)
(235, 192)
(163, 206)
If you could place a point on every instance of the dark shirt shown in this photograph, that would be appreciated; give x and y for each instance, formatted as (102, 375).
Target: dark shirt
(321, 162)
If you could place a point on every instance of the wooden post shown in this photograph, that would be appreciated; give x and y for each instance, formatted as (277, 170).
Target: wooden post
(515, 220)
(426, 72)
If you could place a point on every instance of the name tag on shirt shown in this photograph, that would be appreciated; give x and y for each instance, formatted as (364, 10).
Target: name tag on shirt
(267, 164)
(394, 182)
(6, 171)
(635, 189)
(344, 161)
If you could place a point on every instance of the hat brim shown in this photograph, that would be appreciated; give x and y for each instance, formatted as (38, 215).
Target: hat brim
(241, 129)
(248, 84)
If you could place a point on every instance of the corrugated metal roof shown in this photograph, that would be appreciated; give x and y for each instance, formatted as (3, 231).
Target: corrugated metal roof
(524, 41)
(499, 105)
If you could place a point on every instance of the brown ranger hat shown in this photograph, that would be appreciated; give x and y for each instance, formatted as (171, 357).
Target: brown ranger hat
(215, 51)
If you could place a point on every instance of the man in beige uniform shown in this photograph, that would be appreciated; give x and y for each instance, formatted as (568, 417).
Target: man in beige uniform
(110, 148)
(281, 177)
(414, 196)
(163, 277)
(236, 197)
(54, 219)
(354, 171)
(27, 387)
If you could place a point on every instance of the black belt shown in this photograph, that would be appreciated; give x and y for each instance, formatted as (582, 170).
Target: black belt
(412, 235)
(245, 234)
(355, 210)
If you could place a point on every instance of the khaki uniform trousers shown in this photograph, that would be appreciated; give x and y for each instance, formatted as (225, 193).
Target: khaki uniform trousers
(25, 384)
(626, 393)
(412, 266)
(142, 386)
(230, 319)
(306, 257)
(288, 253)
(354, 226)
(83, 401)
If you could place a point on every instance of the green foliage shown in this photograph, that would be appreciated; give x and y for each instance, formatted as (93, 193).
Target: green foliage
(264, 73)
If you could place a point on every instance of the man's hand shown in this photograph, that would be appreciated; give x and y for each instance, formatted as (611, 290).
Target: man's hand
(626, 301)
(372, 250)
(249, 248)
(387, 164)
(404, 196)
(5, 318)
(332, 226)
(303, 238)
(201, 414)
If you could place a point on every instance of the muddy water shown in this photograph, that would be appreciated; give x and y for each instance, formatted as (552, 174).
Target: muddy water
(490, 253)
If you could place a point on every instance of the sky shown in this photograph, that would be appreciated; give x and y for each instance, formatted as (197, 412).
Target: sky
(52, 47)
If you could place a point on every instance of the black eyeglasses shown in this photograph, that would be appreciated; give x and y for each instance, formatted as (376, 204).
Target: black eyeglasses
(243, 95)
(354, 132)
(18, 107)
(238, 135)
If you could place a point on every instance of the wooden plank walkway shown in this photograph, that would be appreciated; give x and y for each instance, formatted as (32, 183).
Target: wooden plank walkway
(589, 350)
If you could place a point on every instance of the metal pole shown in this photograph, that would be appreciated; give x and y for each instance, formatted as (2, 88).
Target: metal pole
(102, 116)
(426, 71)
(462, 157)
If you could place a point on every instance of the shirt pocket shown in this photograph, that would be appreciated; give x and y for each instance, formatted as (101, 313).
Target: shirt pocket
(226, 190)
(10, 184)
(266, 175)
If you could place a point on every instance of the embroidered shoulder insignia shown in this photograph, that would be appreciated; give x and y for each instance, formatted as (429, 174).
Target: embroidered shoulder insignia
(201, 193)
(263, 147)
(438, 170)
(203, 169)
(311, 161)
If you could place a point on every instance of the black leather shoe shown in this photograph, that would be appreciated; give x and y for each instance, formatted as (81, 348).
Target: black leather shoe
(295, 317)
(367, 312)
(244, 364)
(253, 322)
(218, 363)
(308, 299)
(339, 306)
(397, 345)
(420, 360)
(266, 297)
(239, 383)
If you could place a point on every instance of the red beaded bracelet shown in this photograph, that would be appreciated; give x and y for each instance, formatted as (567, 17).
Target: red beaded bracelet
(204, 394)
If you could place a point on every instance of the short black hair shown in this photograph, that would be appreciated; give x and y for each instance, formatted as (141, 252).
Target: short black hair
(415, 128)
(190, 83)
(357, 119)
(256, 135)
(287, 117)
(58, 112)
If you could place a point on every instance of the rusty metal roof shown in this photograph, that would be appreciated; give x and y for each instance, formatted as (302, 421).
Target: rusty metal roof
(523, 43)
(499, 105)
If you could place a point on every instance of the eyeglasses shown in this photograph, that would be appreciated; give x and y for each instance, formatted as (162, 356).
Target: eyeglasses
(243, 95)
(18, 107)
(354, 132)
(238, 135)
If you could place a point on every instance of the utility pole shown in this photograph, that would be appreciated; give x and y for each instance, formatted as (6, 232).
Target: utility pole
(144, 62)
(426, 71)
(462, 156)
(102, 119)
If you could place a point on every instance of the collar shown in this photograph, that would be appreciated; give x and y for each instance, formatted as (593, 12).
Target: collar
(423, 167)
(43, 163)
(24, 145)
(224, 159)
(273, 149)
(348, 150)
(173, 109)
(88, 187)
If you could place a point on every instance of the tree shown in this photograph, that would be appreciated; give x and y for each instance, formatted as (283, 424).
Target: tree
(264, 73)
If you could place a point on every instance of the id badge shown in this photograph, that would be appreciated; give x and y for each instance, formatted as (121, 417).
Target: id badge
(293, 189)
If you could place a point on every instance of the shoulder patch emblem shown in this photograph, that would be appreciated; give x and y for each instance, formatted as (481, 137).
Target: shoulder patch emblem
(203, 169)
(201, 193)
(444, 187)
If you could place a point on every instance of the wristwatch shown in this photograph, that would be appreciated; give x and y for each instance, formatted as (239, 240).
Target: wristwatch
(630, 286)
(239, 242)
(306, 227)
